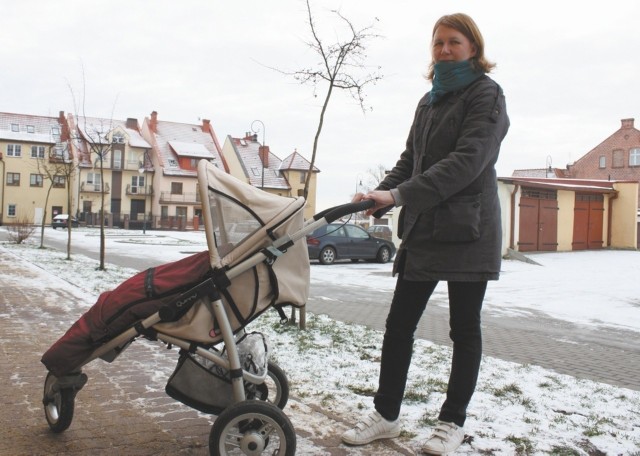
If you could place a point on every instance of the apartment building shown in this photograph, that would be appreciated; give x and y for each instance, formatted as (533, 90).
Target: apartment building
(36, 165)
(128, 174)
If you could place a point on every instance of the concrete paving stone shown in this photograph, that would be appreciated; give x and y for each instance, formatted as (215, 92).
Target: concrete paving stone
(122, 411)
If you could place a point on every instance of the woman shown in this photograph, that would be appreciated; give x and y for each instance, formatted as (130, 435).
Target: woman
(450, 227)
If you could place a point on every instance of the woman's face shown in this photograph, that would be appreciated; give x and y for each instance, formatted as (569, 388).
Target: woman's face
(449, 45)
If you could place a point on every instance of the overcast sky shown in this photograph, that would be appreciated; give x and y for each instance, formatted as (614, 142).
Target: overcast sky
(569, 70)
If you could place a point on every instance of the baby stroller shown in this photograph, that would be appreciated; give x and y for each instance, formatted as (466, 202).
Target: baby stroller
(256, 259)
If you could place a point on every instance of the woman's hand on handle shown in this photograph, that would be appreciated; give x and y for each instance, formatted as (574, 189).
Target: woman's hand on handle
(382, 198)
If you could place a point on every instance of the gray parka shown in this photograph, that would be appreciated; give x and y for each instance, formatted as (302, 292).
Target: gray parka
(446, 183)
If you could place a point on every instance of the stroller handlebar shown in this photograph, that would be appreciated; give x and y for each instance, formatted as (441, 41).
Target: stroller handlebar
(334, 213)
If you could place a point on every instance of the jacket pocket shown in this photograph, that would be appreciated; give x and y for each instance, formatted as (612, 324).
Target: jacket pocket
(458, 219)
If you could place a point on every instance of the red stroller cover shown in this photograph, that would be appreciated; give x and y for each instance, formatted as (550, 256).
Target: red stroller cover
(115, 311)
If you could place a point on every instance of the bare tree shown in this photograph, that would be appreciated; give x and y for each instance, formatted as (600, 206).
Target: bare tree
(58, 169)
(377, 174)
(96, 137)
(342, 66)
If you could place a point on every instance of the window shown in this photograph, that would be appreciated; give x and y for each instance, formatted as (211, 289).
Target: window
(31, 129)
(602, 163)
(55, 131)
(618, 159)
(13, 179)
(11, 212)
(15, 127)
(35, 180)
(117, 159)
(181, 211)
(95, 180)
(176, 188)
(137, 184)
(59, 181)
(59, 153)
(14, 150)
(172, 162)
(303, 177)
(164, 212)
(117, 138)
(634, 156)
(37, 151)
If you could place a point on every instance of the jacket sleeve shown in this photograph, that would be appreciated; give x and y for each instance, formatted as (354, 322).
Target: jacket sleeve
(402, 170)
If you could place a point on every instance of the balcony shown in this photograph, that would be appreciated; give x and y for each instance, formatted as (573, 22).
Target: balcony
(89, 187)
(139, 191)
(181, 198)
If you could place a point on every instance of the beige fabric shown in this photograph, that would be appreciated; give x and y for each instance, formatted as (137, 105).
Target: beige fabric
(237, 219)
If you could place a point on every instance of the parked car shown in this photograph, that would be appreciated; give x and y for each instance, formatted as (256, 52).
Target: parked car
(340, 241)
(381, 231)
(61, 220)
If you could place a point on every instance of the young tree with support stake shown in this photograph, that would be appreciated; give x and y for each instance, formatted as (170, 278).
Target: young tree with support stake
(342, 66)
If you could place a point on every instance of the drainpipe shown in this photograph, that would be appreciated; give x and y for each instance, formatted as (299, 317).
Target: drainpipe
(512, 230)
(610, 217)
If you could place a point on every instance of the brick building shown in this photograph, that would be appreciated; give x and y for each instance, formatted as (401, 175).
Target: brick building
(615, 158)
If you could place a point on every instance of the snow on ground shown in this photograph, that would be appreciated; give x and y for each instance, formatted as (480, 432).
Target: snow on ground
(517, 409)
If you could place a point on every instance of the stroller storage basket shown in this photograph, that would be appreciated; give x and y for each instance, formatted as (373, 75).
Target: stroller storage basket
(205, 386)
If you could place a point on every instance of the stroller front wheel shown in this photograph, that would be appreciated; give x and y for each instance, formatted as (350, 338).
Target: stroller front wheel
(58, 404)
(252, 428)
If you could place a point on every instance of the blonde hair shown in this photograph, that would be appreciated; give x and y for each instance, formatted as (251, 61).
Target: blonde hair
(465, 25)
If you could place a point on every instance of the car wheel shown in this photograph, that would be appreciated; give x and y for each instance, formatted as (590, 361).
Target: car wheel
(384, 254)
(327, 255)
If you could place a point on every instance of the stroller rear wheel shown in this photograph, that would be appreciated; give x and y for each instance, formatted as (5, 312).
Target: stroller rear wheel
(275, 388)
(59, 398)
(252, 428)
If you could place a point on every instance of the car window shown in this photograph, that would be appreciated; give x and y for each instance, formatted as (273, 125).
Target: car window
(356, 232)
(335, 231)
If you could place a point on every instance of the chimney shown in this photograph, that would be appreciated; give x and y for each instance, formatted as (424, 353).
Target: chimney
(206, 125)
(153, 124)
(132, 123)
(627, 123)
(64, 130)
(263, 153)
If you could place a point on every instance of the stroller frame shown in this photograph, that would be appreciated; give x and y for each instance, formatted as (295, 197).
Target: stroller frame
(267, 424)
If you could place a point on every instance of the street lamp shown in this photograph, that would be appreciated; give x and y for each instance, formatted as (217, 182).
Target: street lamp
(264, 132)
(358, 185)
(143, 170)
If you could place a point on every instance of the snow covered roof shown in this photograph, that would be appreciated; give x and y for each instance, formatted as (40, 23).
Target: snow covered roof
(580, 185)
(29, 128)
(174, 139)
(101, 130)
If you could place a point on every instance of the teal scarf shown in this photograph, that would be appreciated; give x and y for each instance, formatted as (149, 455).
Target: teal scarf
(452, 76)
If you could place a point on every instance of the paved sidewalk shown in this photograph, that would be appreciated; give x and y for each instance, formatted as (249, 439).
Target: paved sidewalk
(123, 409)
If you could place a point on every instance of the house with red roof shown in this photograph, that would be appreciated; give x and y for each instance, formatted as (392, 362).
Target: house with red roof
(593, 203)
(113, 171)
(175, 149)
(254, 163)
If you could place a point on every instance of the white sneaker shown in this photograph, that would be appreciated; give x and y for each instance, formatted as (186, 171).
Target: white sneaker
(370, 428)
(446, 437)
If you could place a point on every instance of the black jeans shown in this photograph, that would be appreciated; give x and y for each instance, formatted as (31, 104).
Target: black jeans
(408, 304)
